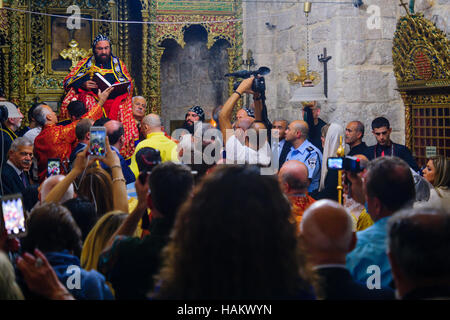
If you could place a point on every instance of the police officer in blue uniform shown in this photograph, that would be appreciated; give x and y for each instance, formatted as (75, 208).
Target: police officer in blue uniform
(304, 151)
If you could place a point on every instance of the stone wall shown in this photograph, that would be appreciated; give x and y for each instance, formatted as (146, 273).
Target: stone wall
(361, 82)
(192, 76)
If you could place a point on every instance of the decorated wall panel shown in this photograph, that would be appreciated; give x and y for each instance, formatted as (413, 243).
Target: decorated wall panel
(421, 54)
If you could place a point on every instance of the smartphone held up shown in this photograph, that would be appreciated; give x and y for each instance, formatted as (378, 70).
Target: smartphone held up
(98, 142)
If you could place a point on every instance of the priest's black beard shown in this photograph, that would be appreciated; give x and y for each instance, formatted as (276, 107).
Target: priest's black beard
(188, 127)
(102, 60)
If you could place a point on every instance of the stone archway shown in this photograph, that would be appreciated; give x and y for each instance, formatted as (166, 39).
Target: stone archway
(192, 75)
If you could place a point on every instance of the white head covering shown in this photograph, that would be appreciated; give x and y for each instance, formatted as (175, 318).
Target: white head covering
(330, 148)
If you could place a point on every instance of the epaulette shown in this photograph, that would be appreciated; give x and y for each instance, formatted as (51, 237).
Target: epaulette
(310, 149)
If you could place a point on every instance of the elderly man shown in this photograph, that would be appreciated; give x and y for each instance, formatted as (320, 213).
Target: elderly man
(57, 141)
(388, 187)
(151, 127)
(354, 132)
(15, 171)
(419, 253)
(326, 231)
(139, 106)
(49, 184)
(304, 151)
(293, 178)
(9, 127)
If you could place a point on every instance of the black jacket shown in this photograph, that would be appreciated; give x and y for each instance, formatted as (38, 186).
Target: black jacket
(12, 183)
(337, 284)
(394, 149)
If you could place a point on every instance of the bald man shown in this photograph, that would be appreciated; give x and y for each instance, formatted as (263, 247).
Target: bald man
(116, 136)
(49, 184)
(293, 178)
(304, 151)
(354, 132)
(326, 231)
(155, 138)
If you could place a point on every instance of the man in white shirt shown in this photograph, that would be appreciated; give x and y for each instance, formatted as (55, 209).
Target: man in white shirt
(247, 143)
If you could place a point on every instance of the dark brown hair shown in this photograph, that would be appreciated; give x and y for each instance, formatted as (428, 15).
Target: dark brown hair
(233, 240)
(51, 228)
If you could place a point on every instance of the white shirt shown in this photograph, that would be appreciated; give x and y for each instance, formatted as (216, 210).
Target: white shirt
(241, 154)
(32, 133)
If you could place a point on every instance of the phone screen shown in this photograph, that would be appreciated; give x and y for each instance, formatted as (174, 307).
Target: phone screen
(53, 167)
(13, 215)
(97, 142)
(335, 163)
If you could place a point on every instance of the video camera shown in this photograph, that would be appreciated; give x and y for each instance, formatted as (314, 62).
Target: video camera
(351, 164)
(259, 83)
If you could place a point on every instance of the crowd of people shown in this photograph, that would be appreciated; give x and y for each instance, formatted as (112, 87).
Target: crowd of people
(247, 209)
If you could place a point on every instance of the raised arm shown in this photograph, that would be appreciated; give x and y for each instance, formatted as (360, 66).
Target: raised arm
(227, 109)
(80, 164)
(120, 200)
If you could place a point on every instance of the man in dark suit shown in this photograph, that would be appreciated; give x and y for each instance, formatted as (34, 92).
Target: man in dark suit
(82, 131)
(279, 130)
(385, 147)
(15, 170)
(326, 230)
(115, 132)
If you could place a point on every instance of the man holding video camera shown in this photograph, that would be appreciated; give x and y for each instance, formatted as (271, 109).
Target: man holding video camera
(239, 145)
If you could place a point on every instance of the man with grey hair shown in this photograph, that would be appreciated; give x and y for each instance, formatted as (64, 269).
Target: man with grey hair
(155, 138)
(388, 187)
(34, 132)
(326, 231)
(15, 171)
(57, 141)
(354, 132)
(49, 184)
(139, 107)
(304, 151)
(419, 253)
(9, 127)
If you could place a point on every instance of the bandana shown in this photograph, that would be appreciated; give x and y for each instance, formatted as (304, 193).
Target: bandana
(98, 38)
(199, 111)
(249, 111)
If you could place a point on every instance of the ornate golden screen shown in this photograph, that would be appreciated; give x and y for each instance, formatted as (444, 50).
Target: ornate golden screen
(422, 68)
(431, 128)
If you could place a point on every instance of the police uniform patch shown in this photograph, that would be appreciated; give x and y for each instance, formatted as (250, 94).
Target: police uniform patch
(312, 163)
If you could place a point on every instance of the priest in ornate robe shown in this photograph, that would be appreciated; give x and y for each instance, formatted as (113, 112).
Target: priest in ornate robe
(79, 85)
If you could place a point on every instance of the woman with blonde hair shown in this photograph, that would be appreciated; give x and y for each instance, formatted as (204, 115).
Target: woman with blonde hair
(96, 187)
(98, 237)
(437, 173)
